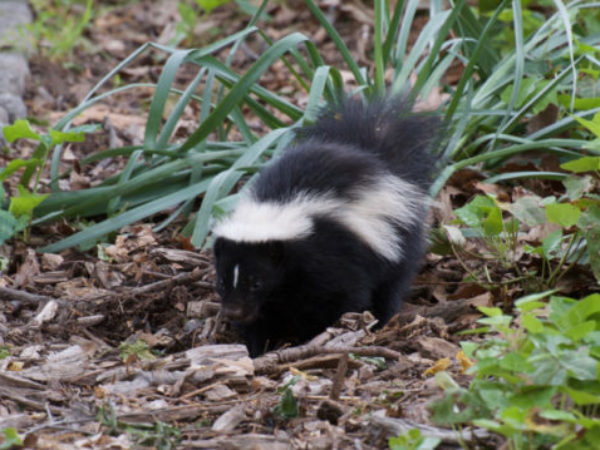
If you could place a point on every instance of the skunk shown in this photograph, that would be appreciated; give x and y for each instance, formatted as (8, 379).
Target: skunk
(336, 224)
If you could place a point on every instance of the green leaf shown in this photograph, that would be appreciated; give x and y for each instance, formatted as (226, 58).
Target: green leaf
(60, 137)
(563, 214)
(8, 226)
(17, 164)
(532, 396)
(580, 104)
(578, 185)
(551, 243)
(490, 311)
(580, 364)
(585, 164)
(532, 323)
(592, 125)
(287, 406)
(581, 397)
(580, 312)
(590, 225)
(523, 303)
(20, 130)
(209, 5)
(515, 362)
(24, 204)
(11, 438)
(482, 214)
(528, 210)
(413, 440)
(492, 225)
(580, 331)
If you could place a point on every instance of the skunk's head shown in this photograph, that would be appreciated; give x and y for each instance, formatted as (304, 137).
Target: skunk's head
(248, 275)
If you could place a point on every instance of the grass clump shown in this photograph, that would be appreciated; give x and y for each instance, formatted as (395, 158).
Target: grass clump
(484, 116)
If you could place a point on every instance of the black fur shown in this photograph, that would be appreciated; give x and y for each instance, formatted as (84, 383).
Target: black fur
(289, 291)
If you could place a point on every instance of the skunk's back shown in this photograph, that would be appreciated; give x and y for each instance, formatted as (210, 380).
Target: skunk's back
(388, 128)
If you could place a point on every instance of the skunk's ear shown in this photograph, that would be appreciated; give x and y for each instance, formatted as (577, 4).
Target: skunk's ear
(276, 251)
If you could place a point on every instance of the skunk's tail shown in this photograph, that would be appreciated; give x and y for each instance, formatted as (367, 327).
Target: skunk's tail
(402, 139)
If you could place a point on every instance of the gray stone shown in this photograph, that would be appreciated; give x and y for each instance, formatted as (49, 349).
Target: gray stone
(14, 105)
(14, 15)
(13, 73)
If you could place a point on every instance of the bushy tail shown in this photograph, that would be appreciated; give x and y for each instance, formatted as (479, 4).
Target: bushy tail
(386, 127)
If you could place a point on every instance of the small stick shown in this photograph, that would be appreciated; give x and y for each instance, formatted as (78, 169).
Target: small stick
(185, 277)
(340, 376)
(16, 294)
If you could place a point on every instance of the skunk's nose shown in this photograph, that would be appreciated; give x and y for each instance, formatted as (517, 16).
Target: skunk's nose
(233, 312)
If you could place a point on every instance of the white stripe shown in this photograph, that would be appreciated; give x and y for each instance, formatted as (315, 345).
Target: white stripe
(370, 215)
(236, 275)
(254, 221)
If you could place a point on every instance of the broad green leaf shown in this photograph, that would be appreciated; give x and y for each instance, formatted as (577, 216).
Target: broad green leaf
(474, 213)
(578, 185)
(559, 306)
(532, 396)
(532, 323)
(528, 210)
(551, 243)
(492, 225)
(11, 438)
(490, 311)
(514, 361)
(581, 397)
(590, 224)
(581, 310)
(592, 237)
(525, 303)
(585, 164)
(209, 5)
(497, 321)
(580, 331)
(580, 364)
(20, 130)
(592, 125)
(17, 164)
(24, 204)
(555, 414)
(8, 225)
(288, 405)
(580, 104)
(60, 137)
(563, 214)
(515, 416)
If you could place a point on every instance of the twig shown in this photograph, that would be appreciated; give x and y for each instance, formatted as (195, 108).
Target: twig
(23, 296)
(185, 277)
(269, 363)
(340, 376)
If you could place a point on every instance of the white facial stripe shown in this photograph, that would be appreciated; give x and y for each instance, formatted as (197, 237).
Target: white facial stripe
(236, 275)
(371, 215)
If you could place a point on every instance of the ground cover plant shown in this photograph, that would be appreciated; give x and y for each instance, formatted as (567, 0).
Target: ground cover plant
(521, 113)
